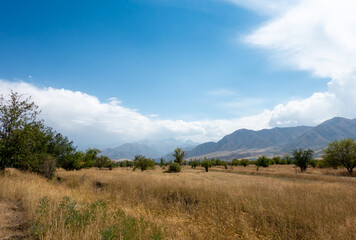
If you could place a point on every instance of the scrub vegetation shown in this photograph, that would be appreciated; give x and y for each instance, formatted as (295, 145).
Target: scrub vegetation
(49, 190)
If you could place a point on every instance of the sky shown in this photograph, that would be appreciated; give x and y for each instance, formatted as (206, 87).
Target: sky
(109, 72)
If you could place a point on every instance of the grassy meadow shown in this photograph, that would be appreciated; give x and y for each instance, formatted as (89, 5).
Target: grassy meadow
(277, 202)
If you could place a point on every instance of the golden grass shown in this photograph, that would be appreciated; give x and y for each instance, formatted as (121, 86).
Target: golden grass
(240, 203)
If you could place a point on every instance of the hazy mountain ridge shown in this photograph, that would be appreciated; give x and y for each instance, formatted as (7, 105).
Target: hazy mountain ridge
(276, 141)
(148, 148)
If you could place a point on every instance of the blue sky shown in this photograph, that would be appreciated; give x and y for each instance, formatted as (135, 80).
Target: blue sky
(173, 61)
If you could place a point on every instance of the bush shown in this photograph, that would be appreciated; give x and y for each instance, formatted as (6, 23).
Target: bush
(263, 161)
(235, 162)
(244, 162)
(302, 158)
(341, 153)
(206, 164)
(143, 163)
(48, 166)
(174, 167)
(194, 163)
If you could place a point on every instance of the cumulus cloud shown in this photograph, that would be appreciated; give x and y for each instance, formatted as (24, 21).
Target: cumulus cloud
(88, 121)
(318, 36)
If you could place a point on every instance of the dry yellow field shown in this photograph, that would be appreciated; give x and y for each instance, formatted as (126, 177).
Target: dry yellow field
(278, 202)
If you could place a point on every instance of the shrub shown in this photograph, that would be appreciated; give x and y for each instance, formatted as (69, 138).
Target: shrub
(263, 161)
(194, 163)
(245, 162)
(174, 167)
(143, 163)
(341, 153)
(206, 164)
(48, 166)
(235, 162)
(302, 158)
(178, 155)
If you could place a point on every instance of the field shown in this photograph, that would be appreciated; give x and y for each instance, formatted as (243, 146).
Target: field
(277, 202)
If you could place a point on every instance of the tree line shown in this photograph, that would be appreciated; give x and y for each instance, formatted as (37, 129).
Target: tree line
(28, 144)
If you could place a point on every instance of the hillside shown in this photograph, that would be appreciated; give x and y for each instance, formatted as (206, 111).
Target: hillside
(148, 148)
(276, 141)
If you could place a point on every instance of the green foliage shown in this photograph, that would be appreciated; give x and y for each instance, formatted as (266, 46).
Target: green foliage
(162, 163)
(244, 162)
(263, 161)
(235, 162)
(174, 167)
(102, 161)
(19, 131)
(206, 164)
(91, 159)
(126, 163)
(61, 148)
(302, 158)
(178, 155)
(47, 165)
(287, 159)
(72, 161)
(143, 163)
(313, 163)
(341, 153)
(194, 163)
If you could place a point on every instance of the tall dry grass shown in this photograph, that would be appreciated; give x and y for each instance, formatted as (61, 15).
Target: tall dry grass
(239, 203)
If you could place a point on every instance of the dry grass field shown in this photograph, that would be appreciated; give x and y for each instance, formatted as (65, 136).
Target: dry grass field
(277, 202)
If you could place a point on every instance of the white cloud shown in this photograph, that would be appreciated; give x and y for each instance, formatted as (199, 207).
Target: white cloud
(314, 35)
(88, 121)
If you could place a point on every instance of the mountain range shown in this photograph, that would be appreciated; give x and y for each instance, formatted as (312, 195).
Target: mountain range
(245, 143)
(148, 148)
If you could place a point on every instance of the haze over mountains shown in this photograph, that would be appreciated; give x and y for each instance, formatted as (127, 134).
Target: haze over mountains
(148, 148)
(245, 143)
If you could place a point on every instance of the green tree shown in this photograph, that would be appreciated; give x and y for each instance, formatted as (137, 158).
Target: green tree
(302, 158)
(143, 163)
(245, 162)
(174, 167)
(60, 147)
(162, 162)
(73, 161)
(341, 153)
(194, 163)
(178, 155)
(288, 159)
(91, 156)
(102, 161)
(206, 164)
(19, 128)
(262, 161)
(235, 162)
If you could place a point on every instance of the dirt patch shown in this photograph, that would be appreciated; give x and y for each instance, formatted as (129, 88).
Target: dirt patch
(13, 222)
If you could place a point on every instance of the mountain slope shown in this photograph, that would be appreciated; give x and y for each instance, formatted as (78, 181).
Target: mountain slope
(277, 141)
(249, 139)
(150, 149)
(318, 137)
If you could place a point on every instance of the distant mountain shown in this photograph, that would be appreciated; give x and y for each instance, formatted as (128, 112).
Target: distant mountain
(318, 137)
(129, 151)
(148, 148)
(276, 141)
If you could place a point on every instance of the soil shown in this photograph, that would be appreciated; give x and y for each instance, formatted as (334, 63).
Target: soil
(13, 221)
